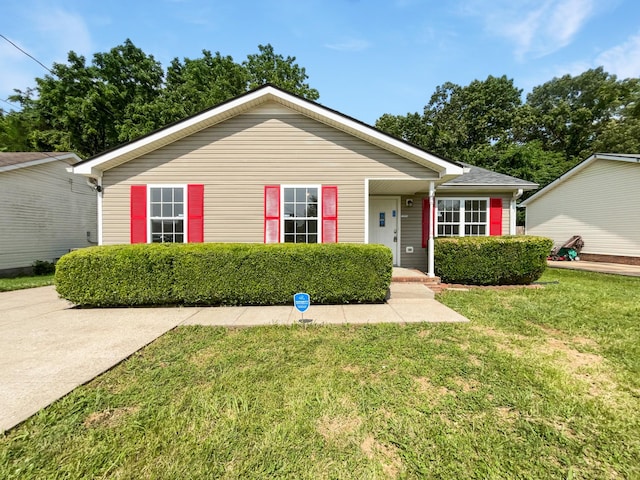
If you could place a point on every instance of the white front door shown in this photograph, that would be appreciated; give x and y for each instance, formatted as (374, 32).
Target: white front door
(384, 220)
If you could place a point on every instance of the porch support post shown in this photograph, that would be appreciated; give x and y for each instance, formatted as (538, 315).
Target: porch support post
(99, 205)
(430, 261)
(513, 212)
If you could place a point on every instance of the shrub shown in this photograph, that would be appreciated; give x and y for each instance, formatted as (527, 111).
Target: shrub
(117, 275)
(224, 274)
(508, 260)
(42, 267)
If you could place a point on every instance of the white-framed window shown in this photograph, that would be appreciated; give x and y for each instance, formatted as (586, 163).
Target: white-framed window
(167, 213)
(301, 207)
(462, 217)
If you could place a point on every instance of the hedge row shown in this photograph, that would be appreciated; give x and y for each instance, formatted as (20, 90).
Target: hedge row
(223, 274)
(509, 260)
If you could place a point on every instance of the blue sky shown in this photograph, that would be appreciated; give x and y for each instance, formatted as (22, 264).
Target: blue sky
(366, 57)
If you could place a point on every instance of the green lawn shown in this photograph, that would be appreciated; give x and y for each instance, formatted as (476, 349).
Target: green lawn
(18, 283)
(542, 383)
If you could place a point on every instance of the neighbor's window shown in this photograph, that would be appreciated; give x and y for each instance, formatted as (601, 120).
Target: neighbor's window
(462, 217)
(301, 207)
(166, 214)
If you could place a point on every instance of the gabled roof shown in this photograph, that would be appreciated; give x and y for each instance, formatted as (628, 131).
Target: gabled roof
(479, 178)
(618, 157)
(94, 166)
(15, 160)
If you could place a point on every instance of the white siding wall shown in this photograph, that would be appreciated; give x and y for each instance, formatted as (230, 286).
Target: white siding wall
(601, 203)
(237, 158)
(44, 212)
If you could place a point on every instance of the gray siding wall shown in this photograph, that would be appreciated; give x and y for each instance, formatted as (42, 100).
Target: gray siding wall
(601, 203)
(237, 158)
(411, 228)
(44, 212)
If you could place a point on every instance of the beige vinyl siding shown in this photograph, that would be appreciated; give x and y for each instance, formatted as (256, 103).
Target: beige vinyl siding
(44, 212)
(601, 203)
(237, 158)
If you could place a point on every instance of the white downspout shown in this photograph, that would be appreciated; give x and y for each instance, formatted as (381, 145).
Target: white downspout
(430, 260)
(513, 212)
(100, 193)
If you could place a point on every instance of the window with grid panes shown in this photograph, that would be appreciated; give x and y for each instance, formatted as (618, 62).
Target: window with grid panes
(167, 214)
(475, 218)
(462, 217)
(300, 214)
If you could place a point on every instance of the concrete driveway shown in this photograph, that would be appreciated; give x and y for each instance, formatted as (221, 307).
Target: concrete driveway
(48, 348)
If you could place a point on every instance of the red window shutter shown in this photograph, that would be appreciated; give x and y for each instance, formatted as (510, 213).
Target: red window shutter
(195, 203)
(495, 216)
(272, 214)
(329, 214)
(138, 217)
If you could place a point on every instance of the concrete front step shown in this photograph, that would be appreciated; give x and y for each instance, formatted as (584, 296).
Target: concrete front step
(410, 275)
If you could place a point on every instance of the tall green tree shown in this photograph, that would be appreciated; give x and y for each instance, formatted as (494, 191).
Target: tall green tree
(191, 85)
(14, 132)
(410, 127)
(571, 113)
(477, 115)
(269, 67)
(83, 108)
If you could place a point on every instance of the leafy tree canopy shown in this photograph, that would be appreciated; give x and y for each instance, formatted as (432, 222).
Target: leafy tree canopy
(124, 93)
(562, 122)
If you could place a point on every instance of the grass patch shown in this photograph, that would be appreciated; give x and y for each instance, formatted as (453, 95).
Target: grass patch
(18, 283)
(541, 384)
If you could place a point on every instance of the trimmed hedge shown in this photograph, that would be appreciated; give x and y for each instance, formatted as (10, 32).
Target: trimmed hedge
(508, 260)
(223, 274)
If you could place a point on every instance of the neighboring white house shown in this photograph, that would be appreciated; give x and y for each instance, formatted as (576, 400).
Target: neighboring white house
(599, 200)
(44, 210)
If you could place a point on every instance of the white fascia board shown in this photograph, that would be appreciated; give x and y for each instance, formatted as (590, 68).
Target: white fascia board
(443, 167)
(618, 157)
(41, 161)
(578, 168)
(485, 187)
(562, 178)
(92, 167)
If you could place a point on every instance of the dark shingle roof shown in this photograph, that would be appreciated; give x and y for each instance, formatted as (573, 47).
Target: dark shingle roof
(482, 176)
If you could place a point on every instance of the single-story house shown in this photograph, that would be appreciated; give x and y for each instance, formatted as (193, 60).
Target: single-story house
(269, 166)
(599, 200)
(45, 211)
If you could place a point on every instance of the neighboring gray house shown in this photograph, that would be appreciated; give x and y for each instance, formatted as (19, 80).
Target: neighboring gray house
(44, 209)
(599, 200)
(270, 167)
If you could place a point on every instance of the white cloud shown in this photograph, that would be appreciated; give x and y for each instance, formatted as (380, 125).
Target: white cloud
(536, 28)
(622, 60)
(350, 45)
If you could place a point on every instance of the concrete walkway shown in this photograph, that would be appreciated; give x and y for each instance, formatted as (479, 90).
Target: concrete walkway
(600, 267)
(48, 348)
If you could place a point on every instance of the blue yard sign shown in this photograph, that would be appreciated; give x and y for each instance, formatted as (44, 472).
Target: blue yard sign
(301, 301)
